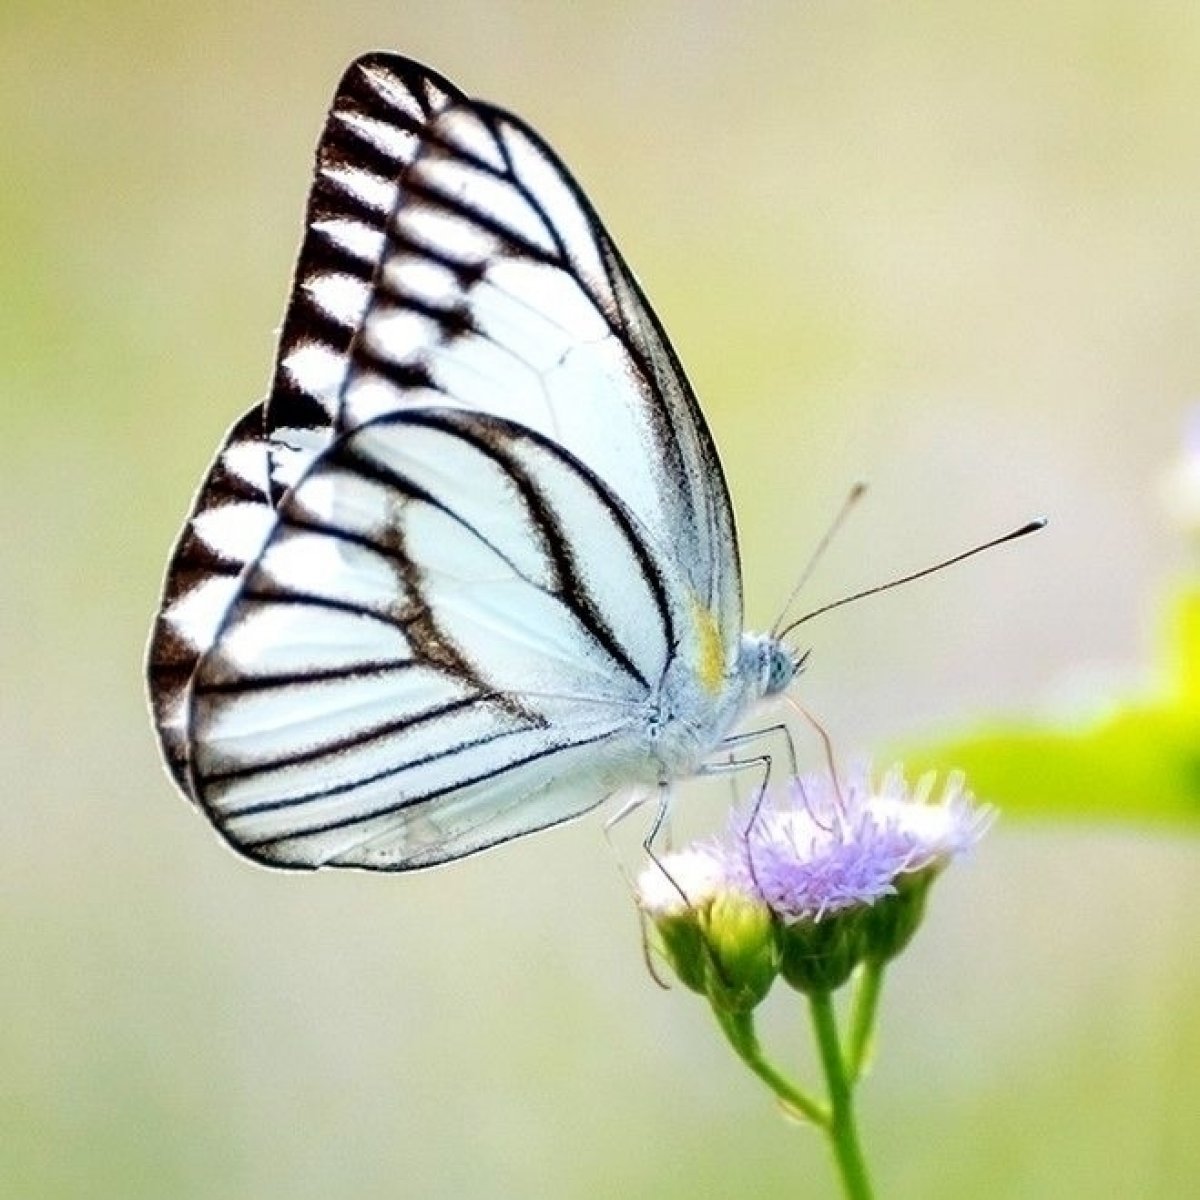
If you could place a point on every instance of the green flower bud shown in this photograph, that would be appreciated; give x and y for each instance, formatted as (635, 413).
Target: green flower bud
(889, 924)
(680, 940)
(820, 955)
(675, 893)
(743, 957)
(716, 938)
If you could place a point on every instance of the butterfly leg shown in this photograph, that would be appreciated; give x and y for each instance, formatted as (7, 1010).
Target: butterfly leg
(658, 825)
(779, 729)
(662, 814)
(632, 804)
(660, 821)
(635, 801)
(736, 766)
(733, 766)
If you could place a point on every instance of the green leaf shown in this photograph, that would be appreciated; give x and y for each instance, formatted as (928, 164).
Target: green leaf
(1140, 763)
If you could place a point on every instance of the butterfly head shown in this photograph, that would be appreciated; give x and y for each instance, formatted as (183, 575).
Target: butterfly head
(770, 663)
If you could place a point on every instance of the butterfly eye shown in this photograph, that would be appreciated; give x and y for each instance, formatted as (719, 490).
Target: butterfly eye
(781, 668)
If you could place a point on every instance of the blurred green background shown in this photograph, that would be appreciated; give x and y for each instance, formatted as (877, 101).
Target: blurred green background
(951, 249)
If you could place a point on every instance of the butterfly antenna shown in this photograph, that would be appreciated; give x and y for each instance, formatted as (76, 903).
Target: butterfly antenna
(852, 498)
(1029, 527)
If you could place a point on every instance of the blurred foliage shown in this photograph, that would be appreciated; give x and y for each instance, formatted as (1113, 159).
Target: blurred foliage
(1139, 763)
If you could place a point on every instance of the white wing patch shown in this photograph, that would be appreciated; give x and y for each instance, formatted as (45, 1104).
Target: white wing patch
(396, 143)
(343, 297)
(318, 371)
(371, 190)
(357, 238)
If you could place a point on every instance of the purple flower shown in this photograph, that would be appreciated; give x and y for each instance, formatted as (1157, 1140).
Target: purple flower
(814, 848)
(827, 876)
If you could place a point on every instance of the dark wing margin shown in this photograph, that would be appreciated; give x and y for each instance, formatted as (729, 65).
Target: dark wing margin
(201, 580)
(374, 129)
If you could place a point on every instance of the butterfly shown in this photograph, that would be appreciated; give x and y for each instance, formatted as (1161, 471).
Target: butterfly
(471, 567)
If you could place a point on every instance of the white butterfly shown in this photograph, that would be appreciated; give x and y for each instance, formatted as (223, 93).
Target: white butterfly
(471, 568)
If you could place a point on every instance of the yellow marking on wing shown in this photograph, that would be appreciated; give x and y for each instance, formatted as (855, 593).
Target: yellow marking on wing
(710, 661)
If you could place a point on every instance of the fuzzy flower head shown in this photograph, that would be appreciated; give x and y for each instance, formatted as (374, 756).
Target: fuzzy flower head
(686, 880)
(845, 868)
(821, 848)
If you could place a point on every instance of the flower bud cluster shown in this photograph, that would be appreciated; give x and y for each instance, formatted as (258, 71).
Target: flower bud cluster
(820, 878)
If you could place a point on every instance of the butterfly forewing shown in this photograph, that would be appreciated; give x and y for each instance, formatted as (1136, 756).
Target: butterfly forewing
(501, 292)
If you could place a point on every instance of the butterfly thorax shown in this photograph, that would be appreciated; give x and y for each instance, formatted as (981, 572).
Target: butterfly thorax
(689, 717)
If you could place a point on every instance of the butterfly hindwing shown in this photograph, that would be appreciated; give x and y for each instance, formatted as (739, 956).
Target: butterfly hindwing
(230, 519)
(448, 608)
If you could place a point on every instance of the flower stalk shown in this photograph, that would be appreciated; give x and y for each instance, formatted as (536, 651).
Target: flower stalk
(842, 1127)
(860, 1045)
(822, 888)
(743, 1037)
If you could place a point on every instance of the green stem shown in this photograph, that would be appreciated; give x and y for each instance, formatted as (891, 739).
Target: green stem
(860, 1048)
(739, 1029)
(843, 1132)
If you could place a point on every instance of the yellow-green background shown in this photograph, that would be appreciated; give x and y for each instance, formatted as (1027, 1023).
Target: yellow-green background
(951, 248)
